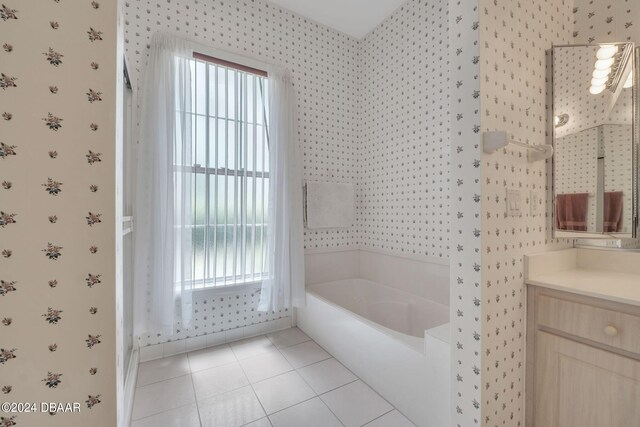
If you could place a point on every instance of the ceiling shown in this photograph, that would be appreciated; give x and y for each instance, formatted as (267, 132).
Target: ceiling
(354, 17)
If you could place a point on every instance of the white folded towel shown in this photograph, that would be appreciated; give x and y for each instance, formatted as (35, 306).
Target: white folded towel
(329, 205)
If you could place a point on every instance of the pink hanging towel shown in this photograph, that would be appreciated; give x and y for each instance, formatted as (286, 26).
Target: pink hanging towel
(571, 211)
(612, 211)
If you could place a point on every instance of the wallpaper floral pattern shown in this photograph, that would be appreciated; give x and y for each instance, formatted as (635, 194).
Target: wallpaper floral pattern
(57, 337)
(514, 37)
(404, 118)
(323, 65)
(605, 21)
(466, 215)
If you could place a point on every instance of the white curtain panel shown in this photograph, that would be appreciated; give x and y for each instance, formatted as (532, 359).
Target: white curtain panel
(163, 250)
(284, 286)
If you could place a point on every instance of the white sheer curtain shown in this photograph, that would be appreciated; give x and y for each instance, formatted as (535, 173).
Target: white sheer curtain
(163, 251)
(284, 286)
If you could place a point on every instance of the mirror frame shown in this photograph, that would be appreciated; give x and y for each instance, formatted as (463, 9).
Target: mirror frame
(635, 67)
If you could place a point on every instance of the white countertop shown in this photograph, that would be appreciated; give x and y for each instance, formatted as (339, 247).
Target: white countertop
(603, 284)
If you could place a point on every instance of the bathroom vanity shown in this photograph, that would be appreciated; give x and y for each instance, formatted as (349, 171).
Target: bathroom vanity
(583, 339)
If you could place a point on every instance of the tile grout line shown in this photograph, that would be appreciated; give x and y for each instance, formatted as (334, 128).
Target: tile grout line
(202, 370)
(351, 382)
(251, 384)
(256, 396)
(309, 385)
(162, 412)
(315, 394)
(382, 415)
(195, 397)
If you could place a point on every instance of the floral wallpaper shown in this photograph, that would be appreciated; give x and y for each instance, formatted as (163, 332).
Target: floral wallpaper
(321, 60)
(404, 139)
(514, 37)
(578, 155)
(466, 214)
(601, 21)
(605, 21)
(57, 195)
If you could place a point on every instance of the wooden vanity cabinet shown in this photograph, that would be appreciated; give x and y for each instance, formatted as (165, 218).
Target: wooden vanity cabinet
(583, 361)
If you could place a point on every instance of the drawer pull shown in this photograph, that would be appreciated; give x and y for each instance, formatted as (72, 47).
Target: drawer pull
(611, 331)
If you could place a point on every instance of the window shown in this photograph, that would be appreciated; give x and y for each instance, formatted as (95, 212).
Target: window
(231, 173)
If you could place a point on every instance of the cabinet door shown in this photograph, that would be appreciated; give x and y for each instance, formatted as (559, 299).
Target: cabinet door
(581, 386)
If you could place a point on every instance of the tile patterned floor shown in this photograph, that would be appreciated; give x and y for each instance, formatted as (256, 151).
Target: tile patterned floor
(283, 379)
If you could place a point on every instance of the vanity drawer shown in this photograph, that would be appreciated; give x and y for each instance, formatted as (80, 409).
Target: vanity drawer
(620, 330)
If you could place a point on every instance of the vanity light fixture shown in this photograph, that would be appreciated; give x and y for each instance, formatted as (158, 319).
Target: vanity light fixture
(599, 74)
(603, 64)
(606, 51)
(609, 68)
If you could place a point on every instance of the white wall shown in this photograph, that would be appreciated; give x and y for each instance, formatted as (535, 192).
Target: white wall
(578, 155)
(359, 120)
(404, 140)
(322, 63)
(323, 66)
(514, 37)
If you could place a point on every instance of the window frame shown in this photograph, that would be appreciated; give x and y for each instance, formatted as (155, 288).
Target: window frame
(249, 66)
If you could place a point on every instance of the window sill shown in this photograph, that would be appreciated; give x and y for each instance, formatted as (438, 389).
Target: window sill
(228, 289)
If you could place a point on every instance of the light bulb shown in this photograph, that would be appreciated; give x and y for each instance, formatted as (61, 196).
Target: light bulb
(556, 120)
(603, 64)
(606, 51)
(598, 74)
(629, 81)
(595, 90)
(599, 82)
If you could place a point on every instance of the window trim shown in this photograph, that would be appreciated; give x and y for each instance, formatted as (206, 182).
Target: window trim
(248, 66)
(231, 57)
(229, 64)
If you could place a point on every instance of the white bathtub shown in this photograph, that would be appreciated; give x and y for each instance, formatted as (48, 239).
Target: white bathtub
(396, 342)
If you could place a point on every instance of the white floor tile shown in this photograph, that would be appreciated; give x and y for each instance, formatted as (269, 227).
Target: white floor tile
(312, 413)
(210, 357)
(265, 366)
(233, 409)
(356, 404)
(262, 422)
(186, 416)
(172, 348)
(288, 337)
(251, 347)
(304, 354)
(162, 369)
(214, 381)
(280, 392)
(162, 396)
(151, 352)
(216, 338)
(326, 375)
(391, 419)
(196, 343)
(235, 334)
(254, 330)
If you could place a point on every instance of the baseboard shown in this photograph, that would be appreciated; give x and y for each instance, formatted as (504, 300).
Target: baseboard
(158, 351)
(130, 387)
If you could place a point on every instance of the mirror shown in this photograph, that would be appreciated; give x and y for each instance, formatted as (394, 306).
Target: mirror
(594, 166)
